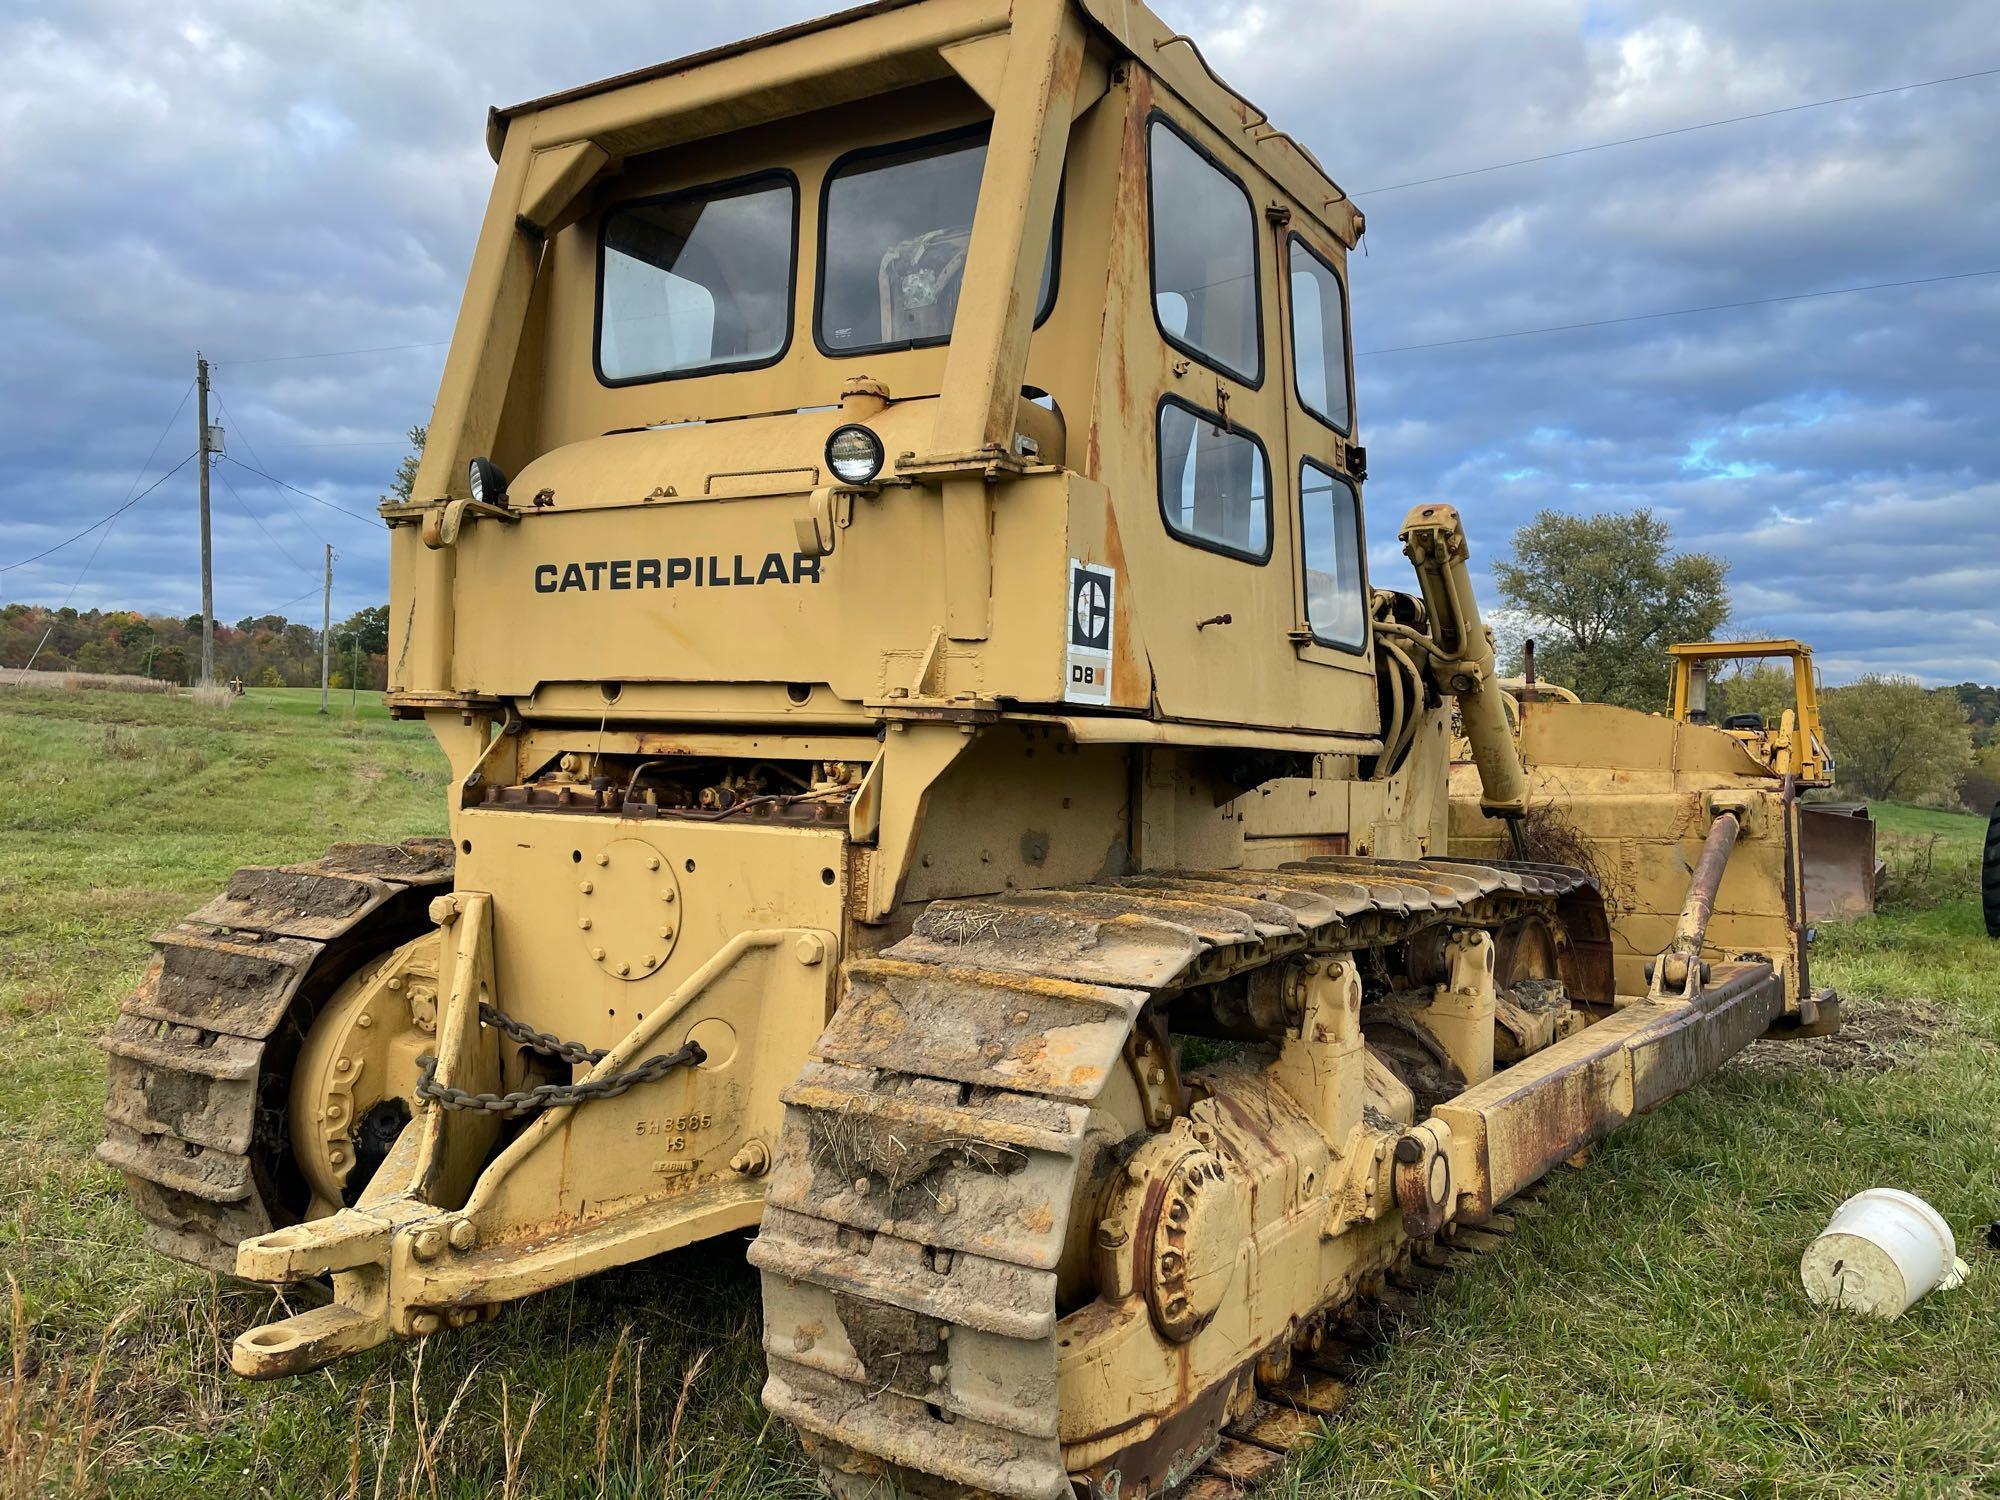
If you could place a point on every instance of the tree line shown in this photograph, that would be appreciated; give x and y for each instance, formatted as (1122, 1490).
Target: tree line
(263, 650)
(1603, 596)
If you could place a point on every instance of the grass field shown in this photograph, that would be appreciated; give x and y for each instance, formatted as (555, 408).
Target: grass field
(1645, 1336)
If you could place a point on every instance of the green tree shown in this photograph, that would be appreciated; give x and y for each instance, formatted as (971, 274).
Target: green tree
(404, 484)
(1895, 740)
(371, 625)
(269, 678)
(1604, 596)
(1981, 788)
(1982, 707)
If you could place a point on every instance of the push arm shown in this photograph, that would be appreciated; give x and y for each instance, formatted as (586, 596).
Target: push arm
(1461, 660)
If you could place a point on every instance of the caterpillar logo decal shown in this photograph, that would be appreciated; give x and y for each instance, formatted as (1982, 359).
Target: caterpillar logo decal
(1093, 594)
(735, 571)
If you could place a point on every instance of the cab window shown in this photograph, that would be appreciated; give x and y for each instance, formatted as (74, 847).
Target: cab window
(1215, 483)
(895, 227)
(697, 281)
(1205, 283)
(1319, 338)
(1330, 539)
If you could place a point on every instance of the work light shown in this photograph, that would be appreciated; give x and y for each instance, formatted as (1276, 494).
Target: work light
(854, 454)
(489, 485)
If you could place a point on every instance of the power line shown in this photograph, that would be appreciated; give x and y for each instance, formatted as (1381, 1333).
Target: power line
(278, 608)
(1677, 312)
(295, 512)
(129, 500)
(229, 417)
(105, 520)
(273, 359)
(317, 500)
(1660, 135)
(243, 506)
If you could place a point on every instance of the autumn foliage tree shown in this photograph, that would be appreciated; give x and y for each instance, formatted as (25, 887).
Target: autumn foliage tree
(1895, 740)
(123, 642)
(1604, 596)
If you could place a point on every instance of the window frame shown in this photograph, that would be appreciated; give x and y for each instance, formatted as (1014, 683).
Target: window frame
(893, 148)
(1346, 648)
(1252, 381)
(1346, 330)
(783, 175)
(1195, 539)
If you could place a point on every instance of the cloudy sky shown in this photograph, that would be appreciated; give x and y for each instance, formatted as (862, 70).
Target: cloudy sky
(264, 181)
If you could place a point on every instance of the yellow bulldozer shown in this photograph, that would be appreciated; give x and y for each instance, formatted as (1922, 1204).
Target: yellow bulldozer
(1837, 838)
(931, 782)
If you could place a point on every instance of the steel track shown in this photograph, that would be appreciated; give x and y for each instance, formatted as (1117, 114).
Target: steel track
(201, 1054)
(936, 1143)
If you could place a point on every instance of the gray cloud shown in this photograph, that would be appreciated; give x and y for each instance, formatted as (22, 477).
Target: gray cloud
(259, 180)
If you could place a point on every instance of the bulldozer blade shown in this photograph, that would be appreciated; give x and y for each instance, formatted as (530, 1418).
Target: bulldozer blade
(1838, 840)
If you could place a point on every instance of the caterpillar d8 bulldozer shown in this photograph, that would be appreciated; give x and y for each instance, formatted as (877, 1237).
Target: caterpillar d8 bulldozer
(931, 782)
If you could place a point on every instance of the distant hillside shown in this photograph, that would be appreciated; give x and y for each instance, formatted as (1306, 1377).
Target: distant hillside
(264, 650)
(1982, 709)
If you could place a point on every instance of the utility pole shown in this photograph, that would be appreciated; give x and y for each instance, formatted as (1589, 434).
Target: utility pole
(325, 626)
(207, 546)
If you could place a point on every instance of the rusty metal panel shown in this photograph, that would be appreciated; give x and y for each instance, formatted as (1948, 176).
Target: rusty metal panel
(201, 1087)
(1737, 1006)
(986, 1027)
(200, 1172)
(907, 1432)
(987, 1176)
(222, 982)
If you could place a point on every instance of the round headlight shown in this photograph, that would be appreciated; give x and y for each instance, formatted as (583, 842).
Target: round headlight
(854, 454)
(487, 483)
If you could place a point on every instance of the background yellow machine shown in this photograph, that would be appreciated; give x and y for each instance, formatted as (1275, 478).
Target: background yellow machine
(888, 576)
(1838, 838)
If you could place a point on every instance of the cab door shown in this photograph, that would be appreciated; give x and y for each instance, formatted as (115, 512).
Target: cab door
(1330, 564)
(1217, 594)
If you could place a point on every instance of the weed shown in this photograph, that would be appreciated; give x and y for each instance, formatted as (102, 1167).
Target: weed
(117, 743)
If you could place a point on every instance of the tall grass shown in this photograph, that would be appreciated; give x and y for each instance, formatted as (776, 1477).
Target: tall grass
(50, 1415)
(117, 682)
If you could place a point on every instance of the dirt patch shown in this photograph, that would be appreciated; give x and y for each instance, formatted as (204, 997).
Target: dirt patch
(413, 859)
(1874, 1036)
(303, 894)
(38, 1000)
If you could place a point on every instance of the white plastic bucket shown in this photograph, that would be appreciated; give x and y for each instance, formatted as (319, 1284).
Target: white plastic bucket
(1882, 1251)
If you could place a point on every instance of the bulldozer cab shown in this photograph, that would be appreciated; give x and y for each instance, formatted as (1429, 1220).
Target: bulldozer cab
(1792, 745)
(935, 355)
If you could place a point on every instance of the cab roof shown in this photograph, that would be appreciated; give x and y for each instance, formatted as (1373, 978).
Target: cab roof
(884, 55)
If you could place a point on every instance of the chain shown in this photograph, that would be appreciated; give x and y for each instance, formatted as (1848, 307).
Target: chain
(539, 1041)
(550, 1095)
